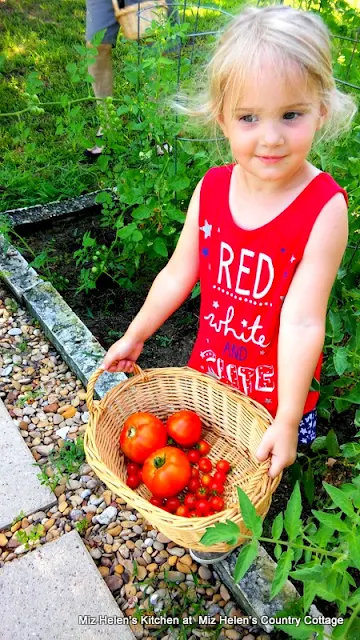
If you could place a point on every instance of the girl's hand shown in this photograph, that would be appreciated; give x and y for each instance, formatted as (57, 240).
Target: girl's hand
(122, 355)
(280, 441)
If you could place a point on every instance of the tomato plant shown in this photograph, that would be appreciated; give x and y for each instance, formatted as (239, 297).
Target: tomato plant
(141, 435)
(166, 472)
(184, 427)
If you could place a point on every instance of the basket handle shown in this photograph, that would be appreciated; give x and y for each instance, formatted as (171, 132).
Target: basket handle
(92, 382)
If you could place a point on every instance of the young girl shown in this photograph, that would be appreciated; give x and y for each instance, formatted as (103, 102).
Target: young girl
(264, 235)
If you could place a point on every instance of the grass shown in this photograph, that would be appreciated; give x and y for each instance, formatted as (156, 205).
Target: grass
(42, 162)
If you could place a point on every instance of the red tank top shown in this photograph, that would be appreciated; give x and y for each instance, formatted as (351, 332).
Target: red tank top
(244, 278)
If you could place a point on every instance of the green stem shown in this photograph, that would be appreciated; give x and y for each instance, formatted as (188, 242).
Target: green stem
(296, 546)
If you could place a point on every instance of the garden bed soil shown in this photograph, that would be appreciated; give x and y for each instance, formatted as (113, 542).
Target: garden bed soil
(108, 310)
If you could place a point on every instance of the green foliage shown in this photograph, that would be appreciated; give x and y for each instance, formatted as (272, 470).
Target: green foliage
(81, 525)
(65, 461)
(321, 554)
(31, 537)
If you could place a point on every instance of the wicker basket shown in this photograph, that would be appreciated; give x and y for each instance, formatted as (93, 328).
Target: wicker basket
(136, 18)
(232, 424)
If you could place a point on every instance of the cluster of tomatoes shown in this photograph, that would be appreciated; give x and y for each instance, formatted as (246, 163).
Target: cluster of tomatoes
(180, 481)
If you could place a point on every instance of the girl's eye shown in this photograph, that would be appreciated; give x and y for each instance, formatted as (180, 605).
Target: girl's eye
(293, 116)
(292, 113)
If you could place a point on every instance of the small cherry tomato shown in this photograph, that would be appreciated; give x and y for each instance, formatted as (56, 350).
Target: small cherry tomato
(223, 466)
(133, 481)
(172, 504)
(205, 465)
(216, 503)
(216, 487)
(203, 447)
(157, 502)
(202, 492)
(206, 479)
(220, 477)
(190, 500)
(183, 511)
(193, 456)
(193, 485)
(195, 472)
(202, 507)
(133, 469)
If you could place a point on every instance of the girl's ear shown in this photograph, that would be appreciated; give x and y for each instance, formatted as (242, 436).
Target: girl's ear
(222, 125)
(323, 114)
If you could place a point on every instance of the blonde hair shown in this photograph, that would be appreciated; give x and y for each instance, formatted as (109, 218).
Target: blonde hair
(287, 37)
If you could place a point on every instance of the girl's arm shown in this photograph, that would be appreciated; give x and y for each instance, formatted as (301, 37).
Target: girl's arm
(175, 282)
(302, 331)
(303, 316)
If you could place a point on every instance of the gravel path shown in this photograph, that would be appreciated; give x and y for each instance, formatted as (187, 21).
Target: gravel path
(47, 403)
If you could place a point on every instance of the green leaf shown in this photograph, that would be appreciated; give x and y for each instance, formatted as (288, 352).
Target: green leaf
(302, 631)
(350, 449)
(353, 396)
(340, 359)
(354, 598)
(309, 484)
(354, 549)
(319, 443)
(221, 532)
(357, 418)
(245, 558)
(281, 572)
(277, 551)
(331, 520)
(292, 520)
(249, 515)
(141, 213)
(339, 498)
(336, 324)
(309, 573)
(310, 590)
(277, 526)
(315, 385)
(160, 247)
(332, 443)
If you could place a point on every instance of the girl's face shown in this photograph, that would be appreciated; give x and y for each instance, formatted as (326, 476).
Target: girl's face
(272, 126)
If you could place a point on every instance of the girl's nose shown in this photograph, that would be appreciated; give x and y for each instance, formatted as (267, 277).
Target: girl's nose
(271, 134)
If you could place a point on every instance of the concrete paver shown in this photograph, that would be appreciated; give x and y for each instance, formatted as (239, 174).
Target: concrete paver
(20, 488)
(45, 594)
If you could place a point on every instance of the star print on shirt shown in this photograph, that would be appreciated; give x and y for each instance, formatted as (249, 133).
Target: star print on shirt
(292, 259)
(262, 353)
(244, 323)
(268, 400)
(206, 229)
(216, 304)
(205, 251)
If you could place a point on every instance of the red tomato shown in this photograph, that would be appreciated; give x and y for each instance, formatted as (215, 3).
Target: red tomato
(141, 435)
(194, 456)
(206, 479)
(133, 481)
(172, 504)
(190, 500)
(203, 447)
(205, 465)
(194, 472)
(193, 485)
(202, 492)
(166, 472)
(184, 427)
(216, 487)
(220, 477)
(133, 469)
(157, 502)
(202, 507)
(223, 466)
(216, 503)
(183, 511)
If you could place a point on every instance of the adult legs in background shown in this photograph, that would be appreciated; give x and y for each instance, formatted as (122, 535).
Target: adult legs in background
(99, 16)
